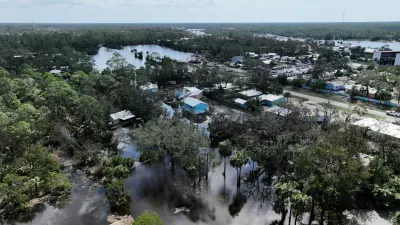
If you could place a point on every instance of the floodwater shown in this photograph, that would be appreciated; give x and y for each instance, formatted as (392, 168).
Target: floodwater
(105, 54)
(154, 188)
(87, 206)
(395, 46)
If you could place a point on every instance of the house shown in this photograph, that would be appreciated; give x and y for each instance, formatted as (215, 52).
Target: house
(335, 85)
(189, 92)
(251, 93)
(195, 107)
(123, 117)
(237, 59)
(267, 62)
(252, 54)
(149, 87)
(240, 102)
(328, 75)
(271, 100)
(280, 111)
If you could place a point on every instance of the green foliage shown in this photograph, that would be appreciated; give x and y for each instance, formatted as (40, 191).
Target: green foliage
(396, 219)
(225, 148)
(116, 194)
(148, 218)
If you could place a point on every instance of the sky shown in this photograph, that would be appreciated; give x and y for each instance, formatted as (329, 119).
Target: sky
(196, 11)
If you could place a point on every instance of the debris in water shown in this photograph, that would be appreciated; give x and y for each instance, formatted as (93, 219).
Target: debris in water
(182, 209)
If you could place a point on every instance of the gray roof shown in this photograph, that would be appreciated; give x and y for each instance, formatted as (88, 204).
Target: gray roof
(193, 102)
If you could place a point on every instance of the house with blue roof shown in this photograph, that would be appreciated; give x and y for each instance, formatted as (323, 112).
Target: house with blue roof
(195, 109)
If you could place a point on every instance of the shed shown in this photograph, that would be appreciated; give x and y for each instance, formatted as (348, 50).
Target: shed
(123, 117)
(271, 100)
(194, 106)
(240, 102)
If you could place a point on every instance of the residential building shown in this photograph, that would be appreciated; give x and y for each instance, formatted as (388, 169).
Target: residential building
(195, 108)
(189, 92)
(271, 100)
(251, 93)
(387, 57)
(240, 102)
(335, 85)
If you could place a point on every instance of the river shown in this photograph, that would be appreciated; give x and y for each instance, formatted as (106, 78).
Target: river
(105, 54)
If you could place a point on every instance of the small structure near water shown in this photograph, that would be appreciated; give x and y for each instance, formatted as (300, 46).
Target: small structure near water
(123, 118)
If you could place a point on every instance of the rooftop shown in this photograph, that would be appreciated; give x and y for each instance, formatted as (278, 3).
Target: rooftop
(123, 115)
(251, 93)
(240, 101)
(380, 126)
(192, 89)
(192, 101)
(270, 97)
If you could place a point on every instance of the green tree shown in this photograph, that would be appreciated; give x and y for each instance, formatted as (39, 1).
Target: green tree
(148, 218)
(396, 219)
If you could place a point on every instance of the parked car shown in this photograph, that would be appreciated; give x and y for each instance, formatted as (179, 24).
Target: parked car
(393, 113)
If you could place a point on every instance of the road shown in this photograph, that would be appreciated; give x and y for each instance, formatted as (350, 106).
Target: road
(316, 100)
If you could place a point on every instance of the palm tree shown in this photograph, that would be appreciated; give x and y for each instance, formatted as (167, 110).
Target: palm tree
(225, 150)
(238, 160)
(287, 95)
(36, 181)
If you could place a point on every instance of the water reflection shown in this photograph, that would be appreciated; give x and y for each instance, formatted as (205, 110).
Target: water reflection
(87, 206)
(172, 196)
(105, 54)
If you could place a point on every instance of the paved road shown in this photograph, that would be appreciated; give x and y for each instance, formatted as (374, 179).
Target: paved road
(313, 99)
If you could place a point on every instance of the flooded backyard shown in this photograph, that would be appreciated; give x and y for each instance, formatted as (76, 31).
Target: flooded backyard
(154, 188)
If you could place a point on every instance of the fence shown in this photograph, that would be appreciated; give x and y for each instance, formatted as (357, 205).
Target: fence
(355, 97)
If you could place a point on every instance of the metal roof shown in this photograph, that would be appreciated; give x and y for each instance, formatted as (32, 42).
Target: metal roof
(270, 97)
(192, 101)
(251, 93)
(240, 101)
(123, 115)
